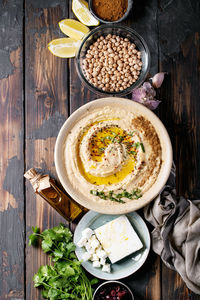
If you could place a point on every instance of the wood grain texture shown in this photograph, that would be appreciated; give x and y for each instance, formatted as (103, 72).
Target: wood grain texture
(46, 102)
(79, 94)
(180, 110)
(11, 157)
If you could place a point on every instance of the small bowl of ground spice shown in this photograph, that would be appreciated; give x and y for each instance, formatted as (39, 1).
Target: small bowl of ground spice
(112, 60)
(110, 11)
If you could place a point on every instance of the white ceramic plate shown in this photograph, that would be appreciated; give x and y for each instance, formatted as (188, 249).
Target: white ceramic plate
(126, 266)
(138, 109)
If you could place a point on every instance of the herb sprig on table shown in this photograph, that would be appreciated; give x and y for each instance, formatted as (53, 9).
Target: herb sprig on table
(65, 279)
(136, 194)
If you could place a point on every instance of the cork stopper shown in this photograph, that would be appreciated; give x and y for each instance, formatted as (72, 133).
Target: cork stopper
(38, 181)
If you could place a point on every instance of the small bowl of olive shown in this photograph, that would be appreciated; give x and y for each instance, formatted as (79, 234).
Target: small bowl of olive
(113, 290)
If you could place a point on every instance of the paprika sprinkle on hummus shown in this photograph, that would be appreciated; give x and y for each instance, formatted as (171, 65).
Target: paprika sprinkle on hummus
(111, 10)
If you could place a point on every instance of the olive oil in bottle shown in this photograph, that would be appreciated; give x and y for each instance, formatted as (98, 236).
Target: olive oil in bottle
(46, 187)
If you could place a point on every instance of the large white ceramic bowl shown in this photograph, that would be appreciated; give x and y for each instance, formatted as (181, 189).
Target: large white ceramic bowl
(147, 197)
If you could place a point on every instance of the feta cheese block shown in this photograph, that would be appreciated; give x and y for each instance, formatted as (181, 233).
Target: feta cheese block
(118, 238)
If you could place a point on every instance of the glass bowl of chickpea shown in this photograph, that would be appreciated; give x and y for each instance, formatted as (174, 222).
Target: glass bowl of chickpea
(112, 60)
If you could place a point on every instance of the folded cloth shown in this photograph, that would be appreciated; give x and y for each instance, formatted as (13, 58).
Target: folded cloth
(176, 236)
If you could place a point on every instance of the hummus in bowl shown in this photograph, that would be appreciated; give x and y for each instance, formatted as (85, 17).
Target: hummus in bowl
(113, 155)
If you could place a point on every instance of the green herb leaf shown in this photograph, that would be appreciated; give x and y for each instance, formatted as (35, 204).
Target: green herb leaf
(136, 194)
(93, 192)
(66, 278)
(101, 150)
(58, 254)
(132, 152)
(36, 229)
(136, 145)
(47, 244)
(142, 146)
(94, 281)
(34, 237)
(131, 133)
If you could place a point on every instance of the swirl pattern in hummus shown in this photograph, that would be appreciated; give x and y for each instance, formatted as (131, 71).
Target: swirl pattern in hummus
(111, 150)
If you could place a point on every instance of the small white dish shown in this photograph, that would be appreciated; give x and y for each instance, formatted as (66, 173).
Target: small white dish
(124, 267)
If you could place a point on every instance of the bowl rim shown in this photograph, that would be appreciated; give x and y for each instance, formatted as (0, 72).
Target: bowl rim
(154, 190)
(136, 84)
(110, 282)
(125, 15)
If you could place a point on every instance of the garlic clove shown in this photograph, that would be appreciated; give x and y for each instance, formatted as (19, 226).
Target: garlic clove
(138, 94)
(152, 104)
(157, 79)
(149, 90)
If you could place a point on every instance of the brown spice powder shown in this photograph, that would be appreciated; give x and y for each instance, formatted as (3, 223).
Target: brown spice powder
(110, 10)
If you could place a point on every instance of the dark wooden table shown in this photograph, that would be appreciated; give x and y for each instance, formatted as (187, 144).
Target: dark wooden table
(38, 91)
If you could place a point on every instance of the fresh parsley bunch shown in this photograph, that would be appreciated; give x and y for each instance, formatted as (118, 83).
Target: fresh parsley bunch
(65, 279)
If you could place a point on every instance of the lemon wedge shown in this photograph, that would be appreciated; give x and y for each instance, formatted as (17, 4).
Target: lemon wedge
(74, 29)
(81, 11)
(64, 47)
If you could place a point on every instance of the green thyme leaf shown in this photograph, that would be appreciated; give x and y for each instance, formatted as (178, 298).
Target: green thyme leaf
(132, 152)
(136, 194)
(136, 145)
(101, 150)
(131, 133)
(142, 146)
(93, 192)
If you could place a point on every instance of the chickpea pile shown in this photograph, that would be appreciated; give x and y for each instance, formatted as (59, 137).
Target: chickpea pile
(112, 63)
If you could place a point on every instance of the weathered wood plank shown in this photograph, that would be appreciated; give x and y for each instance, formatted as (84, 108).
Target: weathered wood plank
(11, 157)
(46, 102)
(179, 28)
(79, 94)
(146, 282)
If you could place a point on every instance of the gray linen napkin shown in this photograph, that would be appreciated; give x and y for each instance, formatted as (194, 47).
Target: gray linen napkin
(176, 236)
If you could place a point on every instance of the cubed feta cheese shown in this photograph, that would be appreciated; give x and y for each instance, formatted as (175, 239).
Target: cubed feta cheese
(101, 254)
(86, 256)
(106, 268)
(102, 261)
(89, 249)
(82, 242)
(87, 233)
(94, 257)
(118, 238)
(96, 264)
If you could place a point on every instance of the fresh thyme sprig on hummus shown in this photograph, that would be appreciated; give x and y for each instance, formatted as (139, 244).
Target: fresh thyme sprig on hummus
(136, 194)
